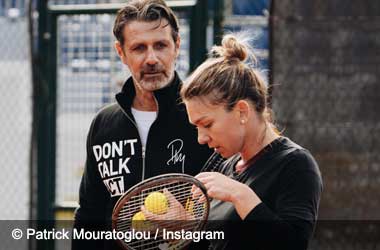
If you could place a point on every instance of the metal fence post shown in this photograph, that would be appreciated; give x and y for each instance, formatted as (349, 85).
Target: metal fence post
(198, 34)
(218, 21)
(43, 138)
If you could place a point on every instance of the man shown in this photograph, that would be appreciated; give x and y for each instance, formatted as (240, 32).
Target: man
(144, 134)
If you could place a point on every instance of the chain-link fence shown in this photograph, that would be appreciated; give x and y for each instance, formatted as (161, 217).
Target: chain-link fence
(326, 92)
(15, 119)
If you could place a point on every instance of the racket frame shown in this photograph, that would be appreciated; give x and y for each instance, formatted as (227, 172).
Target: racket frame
(151, 183)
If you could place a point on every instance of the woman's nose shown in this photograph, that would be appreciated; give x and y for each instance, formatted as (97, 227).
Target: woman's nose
(203, 138)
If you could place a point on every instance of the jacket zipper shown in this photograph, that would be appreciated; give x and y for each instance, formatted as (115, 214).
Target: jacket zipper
(143, 150)
(147, 138)
(143, 159)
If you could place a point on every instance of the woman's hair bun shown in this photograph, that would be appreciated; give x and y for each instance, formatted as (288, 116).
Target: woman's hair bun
(234, 47)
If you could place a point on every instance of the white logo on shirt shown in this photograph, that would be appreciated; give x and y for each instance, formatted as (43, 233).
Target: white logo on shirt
(113, 163)
(176, 155)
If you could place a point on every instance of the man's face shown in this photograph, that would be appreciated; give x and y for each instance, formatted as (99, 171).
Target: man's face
(149, 52)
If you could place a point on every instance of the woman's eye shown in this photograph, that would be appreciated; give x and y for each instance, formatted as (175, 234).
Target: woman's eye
(208, 125)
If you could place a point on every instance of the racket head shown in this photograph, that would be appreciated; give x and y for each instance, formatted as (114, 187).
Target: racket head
(180, 186)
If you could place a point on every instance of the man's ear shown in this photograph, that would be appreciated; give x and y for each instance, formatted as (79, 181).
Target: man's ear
(120, 51)
(177, 45)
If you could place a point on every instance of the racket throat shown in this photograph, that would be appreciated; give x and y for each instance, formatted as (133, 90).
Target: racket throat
(143, 162)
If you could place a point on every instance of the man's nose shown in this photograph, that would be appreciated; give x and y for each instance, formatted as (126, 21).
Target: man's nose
(203, 138)
(151, 58)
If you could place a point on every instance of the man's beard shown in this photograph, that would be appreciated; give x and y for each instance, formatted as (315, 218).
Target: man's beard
(155, 82)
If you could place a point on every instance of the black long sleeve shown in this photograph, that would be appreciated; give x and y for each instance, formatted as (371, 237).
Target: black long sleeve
(289, 184)
(90, 215)
(291, 222)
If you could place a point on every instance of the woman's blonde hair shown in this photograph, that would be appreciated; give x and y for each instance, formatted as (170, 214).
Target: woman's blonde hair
(226, 77)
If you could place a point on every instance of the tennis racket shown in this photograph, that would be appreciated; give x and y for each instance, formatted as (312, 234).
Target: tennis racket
(214, 164)
(168, 199)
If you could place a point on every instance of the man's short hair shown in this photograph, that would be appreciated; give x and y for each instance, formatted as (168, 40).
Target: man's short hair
(147, 11)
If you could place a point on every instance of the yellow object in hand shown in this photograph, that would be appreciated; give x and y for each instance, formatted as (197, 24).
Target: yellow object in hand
(139, 223)
(156, 203)
(189, 206)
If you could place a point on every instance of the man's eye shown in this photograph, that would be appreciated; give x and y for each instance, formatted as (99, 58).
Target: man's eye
(160, 45)
(138, 48)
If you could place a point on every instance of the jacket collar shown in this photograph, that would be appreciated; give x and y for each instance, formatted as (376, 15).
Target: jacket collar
(166, 97)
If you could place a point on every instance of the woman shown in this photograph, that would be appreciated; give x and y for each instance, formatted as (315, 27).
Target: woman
(267, 193)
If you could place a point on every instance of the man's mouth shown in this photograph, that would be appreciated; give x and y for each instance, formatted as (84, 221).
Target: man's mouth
(152, 74)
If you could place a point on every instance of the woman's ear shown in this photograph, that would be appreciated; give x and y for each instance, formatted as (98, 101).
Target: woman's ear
(243, 109)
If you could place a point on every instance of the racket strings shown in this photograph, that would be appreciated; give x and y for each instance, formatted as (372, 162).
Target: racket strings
(152, 244)
(129, 210)
(174, 219)
(136, 200)
(181, 189)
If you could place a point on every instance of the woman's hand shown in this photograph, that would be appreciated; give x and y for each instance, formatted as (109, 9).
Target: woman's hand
(175, 210)
(223, 188)
(176, 217)
(218, 186)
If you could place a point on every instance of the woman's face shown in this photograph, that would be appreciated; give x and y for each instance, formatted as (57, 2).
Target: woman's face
(219, 128)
